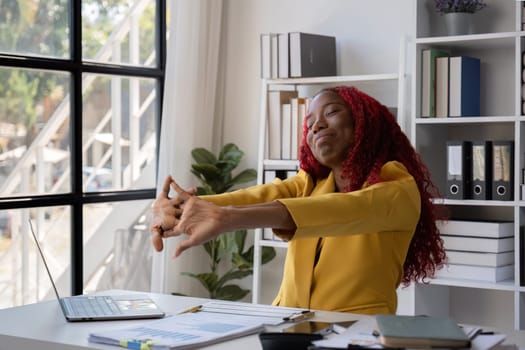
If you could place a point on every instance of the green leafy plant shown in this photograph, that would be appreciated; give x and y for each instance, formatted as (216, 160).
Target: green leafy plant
(216, 176)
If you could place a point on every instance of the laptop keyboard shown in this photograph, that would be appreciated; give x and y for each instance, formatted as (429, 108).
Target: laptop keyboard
(92, 306)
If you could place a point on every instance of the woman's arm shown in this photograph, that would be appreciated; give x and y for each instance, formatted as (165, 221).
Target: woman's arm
(203, 221)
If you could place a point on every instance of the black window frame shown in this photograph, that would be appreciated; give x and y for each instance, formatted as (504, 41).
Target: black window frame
(76, 67)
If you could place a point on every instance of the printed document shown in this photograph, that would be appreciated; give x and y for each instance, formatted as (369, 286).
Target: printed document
(183, 331)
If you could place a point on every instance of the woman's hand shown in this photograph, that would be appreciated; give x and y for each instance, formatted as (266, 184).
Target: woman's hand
(184, 214)
(166, 212)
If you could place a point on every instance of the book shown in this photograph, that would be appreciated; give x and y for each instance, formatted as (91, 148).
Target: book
(274, 42)
(522, 256)
(284, 56)
(312, 55)
(479, 244)
(441, 87)
(457, 257)
(428, 80)
(478, 273)
(275, 100)
(400, 331)
(269, 55)
(492, 229)
(286, 131)
(298, 112)
(464, 86)
(266, 56)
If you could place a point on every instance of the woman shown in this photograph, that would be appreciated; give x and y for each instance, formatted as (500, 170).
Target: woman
(358, 216)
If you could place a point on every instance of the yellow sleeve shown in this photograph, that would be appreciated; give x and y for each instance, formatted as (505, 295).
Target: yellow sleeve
(392, 205)
(289, 188)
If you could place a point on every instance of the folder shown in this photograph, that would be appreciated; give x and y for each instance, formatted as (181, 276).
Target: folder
(312, 55)
(502, 170)
(481, 170)
(459, 165)
(464, 86)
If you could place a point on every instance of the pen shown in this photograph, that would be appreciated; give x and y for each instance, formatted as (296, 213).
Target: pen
(299, 317)
(191, 310)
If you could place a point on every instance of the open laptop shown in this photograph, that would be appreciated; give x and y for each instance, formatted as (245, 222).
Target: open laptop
(102, 307)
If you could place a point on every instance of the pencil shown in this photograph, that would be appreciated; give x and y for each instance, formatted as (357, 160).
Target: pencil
(191, 310)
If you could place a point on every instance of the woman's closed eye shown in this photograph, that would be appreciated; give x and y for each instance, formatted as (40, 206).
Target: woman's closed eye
(331, 112)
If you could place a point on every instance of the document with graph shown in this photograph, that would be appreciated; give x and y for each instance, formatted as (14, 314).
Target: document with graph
(184, 331)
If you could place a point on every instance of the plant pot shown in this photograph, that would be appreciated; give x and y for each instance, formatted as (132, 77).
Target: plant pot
(458, 23)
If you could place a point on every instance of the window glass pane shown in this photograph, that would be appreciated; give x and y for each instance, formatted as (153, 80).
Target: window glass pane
(34, 132)
(119, 136)
(117, 249)
(23, 278)
(35, 27)
(120, 32)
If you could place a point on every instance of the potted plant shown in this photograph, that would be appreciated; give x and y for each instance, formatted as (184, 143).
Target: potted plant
(215, 175)
(458, 14)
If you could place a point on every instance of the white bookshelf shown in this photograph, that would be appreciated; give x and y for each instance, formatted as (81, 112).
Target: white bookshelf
(394, 82)
(498, 41)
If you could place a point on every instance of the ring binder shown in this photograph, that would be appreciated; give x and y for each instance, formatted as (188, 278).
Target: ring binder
(459, 165)
(503, 170)
(481, 170)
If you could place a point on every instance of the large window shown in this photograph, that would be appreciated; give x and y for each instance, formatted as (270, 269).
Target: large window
(80, 102)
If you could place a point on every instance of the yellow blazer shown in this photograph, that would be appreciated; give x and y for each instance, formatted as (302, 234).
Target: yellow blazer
(348, 250)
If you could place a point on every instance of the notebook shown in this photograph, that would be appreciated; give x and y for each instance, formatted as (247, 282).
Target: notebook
(101, 307)
(399, 331)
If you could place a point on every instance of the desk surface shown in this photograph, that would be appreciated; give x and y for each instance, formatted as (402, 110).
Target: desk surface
(43, 326)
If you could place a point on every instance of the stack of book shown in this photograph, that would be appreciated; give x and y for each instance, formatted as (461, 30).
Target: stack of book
(450, 85)
(296, 55)
(286, 111)
(478, 250)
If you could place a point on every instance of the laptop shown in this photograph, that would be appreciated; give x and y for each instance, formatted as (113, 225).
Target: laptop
(102, 307)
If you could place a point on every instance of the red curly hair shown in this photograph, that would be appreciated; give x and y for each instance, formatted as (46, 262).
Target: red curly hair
(377, 140)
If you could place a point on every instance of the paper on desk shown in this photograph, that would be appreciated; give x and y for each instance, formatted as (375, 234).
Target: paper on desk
(185, 331)
(269, 314)
(360, 333)
(486, 341)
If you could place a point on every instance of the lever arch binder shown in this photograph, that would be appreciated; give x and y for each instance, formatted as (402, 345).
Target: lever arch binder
(481, 170)
(459, 165)
(502, 170)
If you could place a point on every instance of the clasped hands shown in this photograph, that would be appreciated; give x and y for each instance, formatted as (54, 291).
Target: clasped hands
(184, 213)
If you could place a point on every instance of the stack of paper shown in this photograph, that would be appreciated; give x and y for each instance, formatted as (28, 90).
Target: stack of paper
(186, 331)
(205, 324)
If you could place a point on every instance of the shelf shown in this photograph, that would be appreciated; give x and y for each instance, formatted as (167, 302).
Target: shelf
(281, 164)
(334, 79)
(472, 202)
(452, 282)
(468, 120)
(500, 118)
(475, 41)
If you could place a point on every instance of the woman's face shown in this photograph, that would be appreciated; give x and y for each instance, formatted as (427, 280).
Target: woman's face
(330, 129)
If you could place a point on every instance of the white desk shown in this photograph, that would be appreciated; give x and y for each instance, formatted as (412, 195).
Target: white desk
(42, 326)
